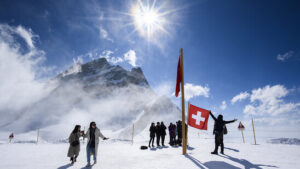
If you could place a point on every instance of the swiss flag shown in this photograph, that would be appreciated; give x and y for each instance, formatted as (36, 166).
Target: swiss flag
(179, 78)
(198, 117)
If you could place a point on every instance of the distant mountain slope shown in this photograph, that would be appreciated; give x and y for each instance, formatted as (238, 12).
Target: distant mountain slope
(96, 91)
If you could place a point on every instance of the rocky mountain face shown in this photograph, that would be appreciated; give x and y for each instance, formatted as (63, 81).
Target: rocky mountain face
(100, 73)
(96, 91)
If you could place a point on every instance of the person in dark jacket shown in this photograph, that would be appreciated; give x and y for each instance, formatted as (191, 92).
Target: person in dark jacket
(219, 132)
(163, 133)
(152, 134)
(157, 132)
(74, 148)
(179, 132)
(172, 128)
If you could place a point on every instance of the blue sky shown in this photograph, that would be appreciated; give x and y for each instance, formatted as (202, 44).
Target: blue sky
(230, 47)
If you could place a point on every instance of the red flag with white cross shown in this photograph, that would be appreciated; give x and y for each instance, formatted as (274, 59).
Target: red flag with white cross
(198, 117)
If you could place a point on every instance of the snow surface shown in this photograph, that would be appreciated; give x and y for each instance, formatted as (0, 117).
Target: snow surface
(117, 154)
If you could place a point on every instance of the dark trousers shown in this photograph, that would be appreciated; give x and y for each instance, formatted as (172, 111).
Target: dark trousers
(157, 139)
(151, 140)
(163, 140)
(219, 141)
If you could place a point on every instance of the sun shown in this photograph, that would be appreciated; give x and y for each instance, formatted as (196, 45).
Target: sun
(147, 19)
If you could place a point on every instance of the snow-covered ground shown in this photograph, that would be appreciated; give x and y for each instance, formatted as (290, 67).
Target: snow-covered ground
(115, 154)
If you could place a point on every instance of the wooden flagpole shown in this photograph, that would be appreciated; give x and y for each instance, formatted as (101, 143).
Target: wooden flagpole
(132, 133)
(187, 126)
(83, 134)
(37, 137)
(253, 131)
(243, 136)
(182, 103)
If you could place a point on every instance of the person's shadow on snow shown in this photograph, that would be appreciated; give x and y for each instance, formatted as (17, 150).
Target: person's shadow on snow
(88, 167)
(247, 164)
(210, 164)
(232, 149)
(65, 166)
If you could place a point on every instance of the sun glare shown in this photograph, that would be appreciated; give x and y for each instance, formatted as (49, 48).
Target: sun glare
(147, 19)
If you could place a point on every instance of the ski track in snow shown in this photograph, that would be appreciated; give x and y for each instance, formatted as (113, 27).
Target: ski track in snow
(116, 154)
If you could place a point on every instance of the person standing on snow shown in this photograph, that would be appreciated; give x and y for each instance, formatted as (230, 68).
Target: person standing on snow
(172, 133)
(219, 132)
(92, 136)
(157, 132)
(179, 132)
(163, 133)
(74, 148)
(152, 134)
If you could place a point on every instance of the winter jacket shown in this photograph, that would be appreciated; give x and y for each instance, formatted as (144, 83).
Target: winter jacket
(97, 135)
(74, 150)
(219, 124)
(172, 130)
(163, 130)
(152, 131)
(157, 130)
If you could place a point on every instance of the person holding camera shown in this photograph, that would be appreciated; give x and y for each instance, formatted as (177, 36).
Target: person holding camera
(74, 148)
(92, 136)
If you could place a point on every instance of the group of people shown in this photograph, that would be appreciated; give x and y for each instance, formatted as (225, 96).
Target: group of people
(159, 131)
(175, 133)
(92, 136)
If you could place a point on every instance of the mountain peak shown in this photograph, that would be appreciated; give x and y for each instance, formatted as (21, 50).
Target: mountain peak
(100, 72)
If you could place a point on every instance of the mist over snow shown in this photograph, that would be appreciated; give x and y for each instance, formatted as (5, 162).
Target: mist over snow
(95, 91)
(20, 68)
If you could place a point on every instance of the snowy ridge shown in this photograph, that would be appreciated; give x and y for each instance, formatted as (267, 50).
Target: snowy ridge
(290, 141)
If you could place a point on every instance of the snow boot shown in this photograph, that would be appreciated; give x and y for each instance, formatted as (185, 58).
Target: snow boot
(88, 165)
(72, 160)
(222, 152)
(214, 152)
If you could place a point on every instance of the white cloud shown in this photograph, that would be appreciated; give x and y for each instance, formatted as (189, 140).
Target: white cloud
(165, 88)
(75, 68)
(223, 105)
(240, 97)
(107, 55)
(269, 101)
(130, 56)
(19, 71)
(271, 121)
(283, 57)
(27, 35)
(191, 91)
(104, 34)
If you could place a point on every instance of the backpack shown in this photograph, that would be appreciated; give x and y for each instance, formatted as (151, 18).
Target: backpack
(225, 131)
(144, 147)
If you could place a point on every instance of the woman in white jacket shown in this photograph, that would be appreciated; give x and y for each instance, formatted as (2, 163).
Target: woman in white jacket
(92, 136)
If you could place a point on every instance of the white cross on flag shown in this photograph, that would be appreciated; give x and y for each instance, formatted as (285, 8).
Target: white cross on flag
(198, 117)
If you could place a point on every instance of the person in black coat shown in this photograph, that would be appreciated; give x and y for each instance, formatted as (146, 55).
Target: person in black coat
(152, 134)
(157, 132)
(219, 132)
(163, 133)
(172, 134)
(179, 132)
